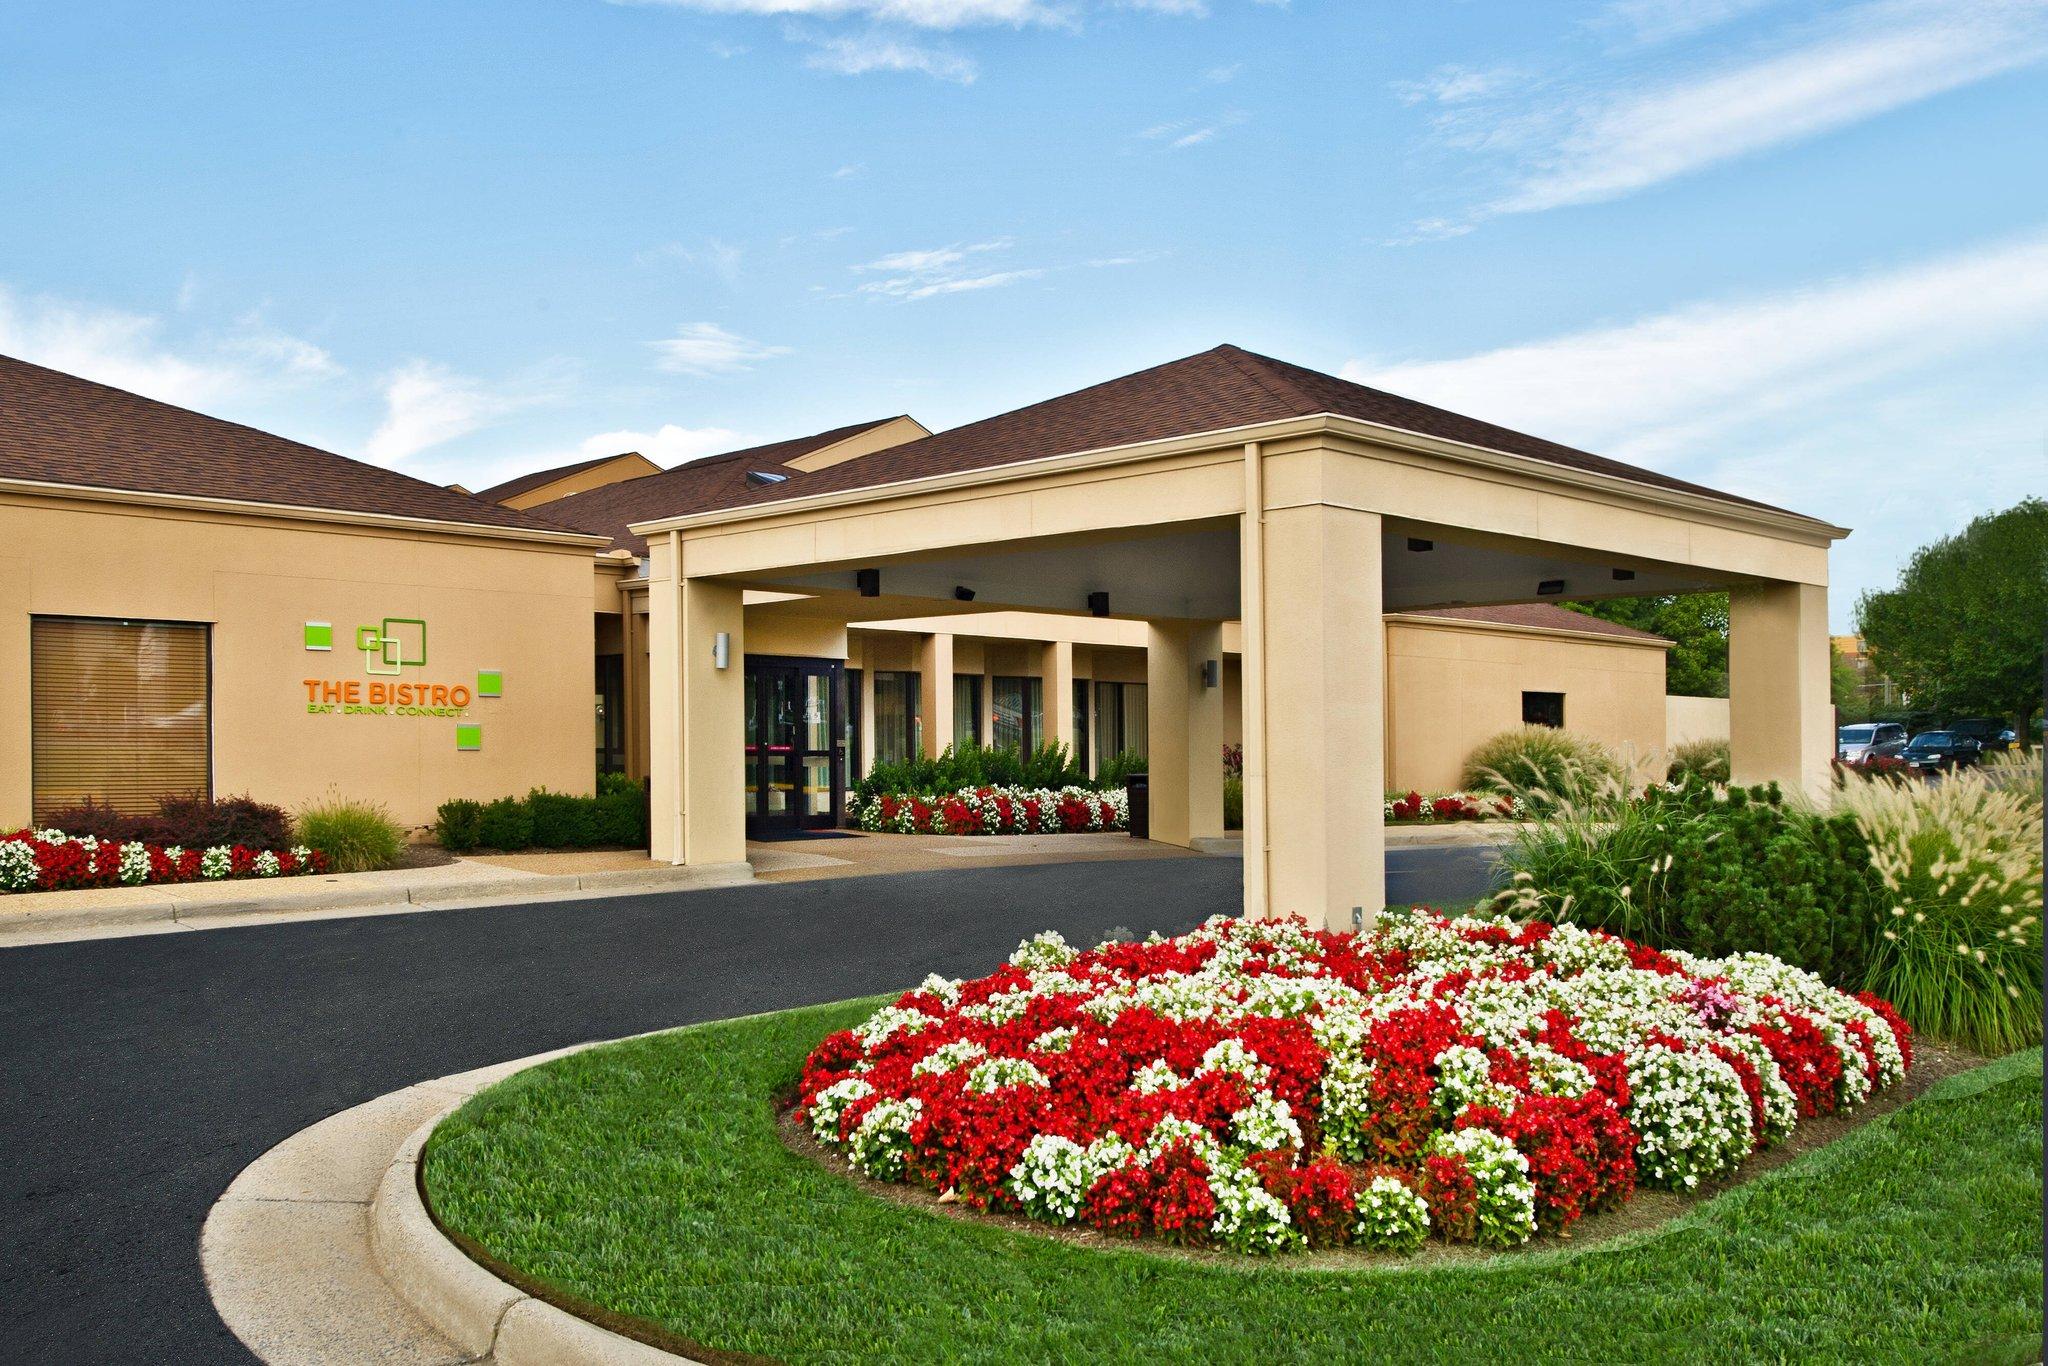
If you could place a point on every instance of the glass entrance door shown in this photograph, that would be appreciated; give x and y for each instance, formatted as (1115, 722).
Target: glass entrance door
(796, 756)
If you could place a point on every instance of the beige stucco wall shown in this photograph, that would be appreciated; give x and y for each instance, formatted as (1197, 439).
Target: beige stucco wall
(1451, 686)
(1694, 718)
(488, 603)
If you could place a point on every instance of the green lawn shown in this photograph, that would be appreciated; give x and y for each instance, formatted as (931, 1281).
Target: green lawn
(647, 1177)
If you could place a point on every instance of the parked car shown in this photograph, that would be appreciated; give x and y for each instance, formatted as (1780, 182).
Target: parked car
(1869, 740)
(1933, 750)
(1993, 735)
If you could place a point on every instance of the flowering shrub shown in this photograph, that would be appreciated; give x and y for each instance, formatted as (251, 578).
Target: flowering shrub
(1456, 806)
(1265, 1087)
(50, 860)
(994, 811)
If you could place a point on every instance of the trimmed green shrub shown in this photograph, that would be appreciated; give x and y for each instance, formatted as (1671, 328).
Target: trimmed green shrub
(1050, 765)
(505, 825)
(1707, 760)
(1711, 871)
(1540, 764)
(1233, 803)
(617, 815)
(458, 825)
(1116, 770)
(356, 836)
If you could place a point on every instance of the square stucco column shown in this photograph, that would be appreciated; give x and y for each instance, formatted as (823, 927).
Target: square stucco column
(935, 690)
(1780, 712)
(1056, 668)
(1314, 720)
(1184, 725)
(697, 731)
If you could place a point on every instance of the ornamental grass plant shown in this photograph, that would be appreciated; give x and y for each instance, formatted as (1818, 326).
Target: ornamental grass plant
(356, 836)
(1542, 765)
(1708, 760)
(1959, 948)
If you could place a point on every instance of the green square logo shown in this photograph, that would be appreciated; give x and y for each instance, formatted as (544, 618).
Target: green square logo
(319, 635)
(490, 682)
(469, 737)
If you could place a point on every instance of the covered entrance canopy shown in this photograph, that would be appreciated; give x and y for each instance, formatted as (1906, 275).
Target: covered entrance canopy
(1229, 486)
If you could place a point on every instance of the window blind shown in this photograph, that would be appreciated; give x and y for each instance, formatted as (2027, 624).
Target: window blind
(120, 712)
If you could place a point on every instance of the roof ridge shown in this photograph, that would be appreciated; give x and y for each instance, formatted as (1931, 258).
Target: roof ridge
(1264, 371)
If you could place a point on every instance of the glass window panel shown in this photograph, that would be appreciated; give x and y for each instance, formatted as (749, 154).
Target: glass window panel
(895, 709)
(1008, 714)
(1135, 733)
(966, 710)
(120, 712)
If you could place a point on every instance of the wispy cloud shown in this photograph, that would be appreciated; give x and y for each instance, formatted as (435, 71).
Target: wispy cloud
(667, 444)
(1180, 134)
(712, 256)
(859, 55)
(852, 170)
(426, 405)
(929, 272)
(1668, 382)
(708, 349)
(246, 360)
(1569, 146)
(1662, 21)
(936, 14)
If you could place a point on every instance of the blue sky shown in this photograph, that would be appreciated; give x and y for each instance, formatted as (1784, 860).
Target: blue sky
(1796, 251)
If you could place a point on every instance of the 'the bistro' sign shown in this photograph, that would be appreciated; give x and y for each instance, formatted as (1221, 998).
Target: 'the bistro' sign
(388, 649)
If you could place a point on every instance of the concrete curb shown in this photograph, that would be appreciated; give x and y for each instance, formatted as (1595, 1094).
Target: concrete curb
(322, 1251)
(1476, 834)
(175, 909)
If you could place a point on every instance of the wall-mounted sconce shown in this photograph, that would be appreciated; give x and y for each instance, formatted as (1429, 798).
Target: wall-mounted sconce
(1550, 588)
(869, 581)
(1416, 543)
(1212, 673)
(1624, 575)
(1098, 604)
(721, 649)
(962, 593)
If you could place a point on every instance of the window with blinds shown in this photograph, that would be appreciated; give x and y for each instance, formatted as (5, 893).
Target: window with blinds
(121, 712)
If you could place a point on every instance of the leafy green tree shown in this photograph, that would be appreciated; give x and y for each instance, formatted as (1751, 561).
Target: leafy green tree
(1846, 687)
(1962, 632)
(1695, 623)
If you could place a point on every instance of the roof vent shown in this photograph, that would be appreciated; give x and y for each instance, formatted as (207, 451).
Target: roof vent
(764, 478)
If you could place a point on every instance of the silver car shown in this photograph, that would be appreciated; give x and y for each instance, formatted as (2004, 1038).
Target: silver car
(1854, 744)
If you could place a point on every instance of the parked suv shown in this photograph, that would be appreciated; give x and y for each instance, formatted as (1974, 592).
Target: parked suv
(1992, 735)
(1869, 740)
(1933, 750)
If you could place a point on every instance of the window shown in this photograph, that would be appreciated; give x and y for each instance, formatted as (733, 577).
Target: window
(1119, 720)
(966, 710)
(1018, 714)
(1543, 709)
(121, 712)
(897, 731)
(1079, 729)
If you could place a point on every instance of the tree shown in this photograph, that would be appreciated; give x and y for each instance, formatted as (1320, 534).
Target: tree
(1845, 686)
(1963, 631)
(1695, 623)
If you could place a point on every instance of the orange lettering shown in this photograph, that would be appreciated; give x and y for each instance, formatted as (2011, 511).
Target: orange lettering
(312, 689)
(352, 691)
(404, 698)
(440, 695)
(330, 692)
(380, 693)
(458, 696)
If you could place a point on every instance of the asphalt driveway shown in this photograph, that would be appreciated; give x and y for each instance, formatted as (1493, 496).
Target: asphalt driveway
(138, 1076)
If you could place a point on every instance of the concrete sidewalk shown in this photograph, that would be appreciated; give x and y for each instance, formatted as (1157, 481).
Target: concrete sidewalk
(32, 917)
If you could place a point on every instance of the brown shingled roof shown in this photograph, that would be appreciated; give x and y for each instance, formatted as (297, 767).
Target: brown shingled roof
(526, 483)
(1541, 616)
(60, 429)
(715, 481)
(1223, 388)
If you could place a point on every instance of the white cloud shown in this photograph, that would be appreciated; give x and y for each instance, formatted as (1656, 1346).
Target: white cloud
(1661, 21)
(939, 14)
(425, 405)
(667, 445)
(929, 272)
(713, 257)
(1223, 75)
(248, 360)
(1669, 382)
(852, 170)
(1179, 134)
(1571, 147)
(857, 56)
(708, 349)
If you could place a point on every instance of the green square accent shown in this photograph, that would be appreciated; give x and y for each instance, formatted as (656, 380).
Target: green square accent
(490, 682)
(319, 635)
(469, 737)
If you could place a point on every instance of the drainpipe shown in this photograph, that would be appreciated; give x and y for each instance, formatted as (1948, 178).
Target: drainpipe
(1252, 621)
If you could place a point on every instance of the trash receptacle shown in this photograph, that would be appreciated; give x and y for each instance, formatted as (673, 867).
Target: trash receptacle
(1139, 789)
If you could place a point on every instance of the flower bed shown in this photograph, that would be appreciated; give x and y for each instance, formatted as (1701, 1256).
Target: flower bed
(1455, 806)
(1265, 1087)
(995, 811)
(50, 860)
